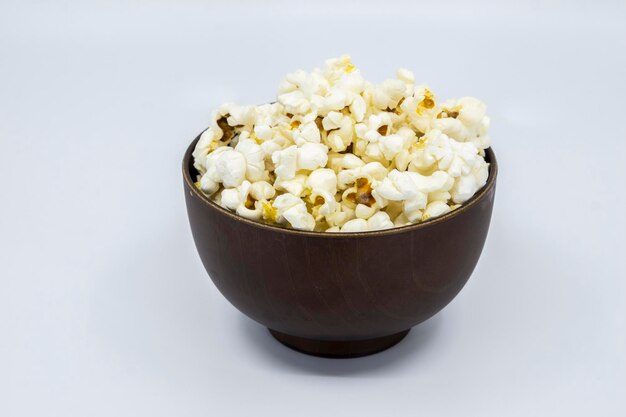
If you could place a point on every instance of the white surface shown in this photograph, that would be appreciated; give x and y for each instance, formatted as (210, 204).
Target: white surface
(105, 309)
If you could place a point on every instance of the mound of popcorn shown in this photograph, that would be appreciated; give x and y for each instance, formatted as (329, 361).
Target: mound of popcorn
(336, 153)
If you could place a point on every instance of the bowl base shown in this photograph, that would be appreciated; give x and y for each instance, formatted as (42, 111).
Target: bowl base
(339, 349)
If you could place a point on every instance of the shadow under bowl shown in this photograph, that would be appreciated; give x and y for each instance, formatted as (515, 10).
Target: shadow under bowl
(339, 294)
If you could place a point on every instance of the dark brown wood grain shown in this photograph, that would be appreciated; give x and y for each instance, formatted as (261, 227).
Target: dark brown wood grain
(339, 294)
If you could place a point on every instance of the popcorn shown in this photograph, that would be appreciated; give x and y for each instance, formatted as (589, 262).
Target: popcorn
(262, 190)
(391, 145)
(355, 225)
(405, 75)
(358, 108)
(295, 186)
(339, 128)
(379, 221)
(312, 156)
(210, 181)
(412, 207)
(434, 209)
(306, 133)
(405, 185)
(337, 153)
(239, 200)
(324, 204)
(292, 209)
(206, 144)
(286, 162)
(371, 171)
(241, 115)
(323, 179)
(388, 94)
(255, 158)
(341, 216)
(467, 185)
(363, 211)
(230, 168)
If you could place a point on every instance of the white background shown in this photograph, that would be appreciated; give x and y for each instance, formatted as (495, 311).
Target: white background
(105, 309)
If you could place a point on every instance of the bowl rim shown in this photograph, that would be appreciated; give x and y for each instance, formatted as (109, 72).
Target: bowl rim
(474, 200)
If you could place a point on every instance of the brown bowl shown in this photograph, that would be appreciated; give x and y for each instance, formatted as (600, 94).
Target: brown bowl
(339, 294)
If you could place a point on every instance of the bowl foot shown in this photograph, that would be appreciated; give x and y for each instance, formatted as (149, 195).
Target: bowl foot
(339, 349)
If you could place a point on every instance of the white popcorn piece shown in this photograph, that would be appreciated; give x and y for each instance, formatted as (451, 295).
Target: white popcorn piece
(294, 102)
(306, 133)
(379, 221)
(275, 144)
(286, 162)
(340, 216)
(238, 200)
(206, 144)
(210, 181)
(351, 161)
(358, 107)
(335, 100)
(263, 132)
(339, 128)
(355, 225)
(420, 108)
(231, 168)
(412, 208)
(457, 158)
(324, 204)
(363, 211)
(472, 111)
(405, 76)
(255, 159)
(336, 68)
(373, 171)
(403, 159)
(312, 156)
(464, 188)
(388, 94)
(295, 186)
(262, 190)
(339, 161)
(323, 179)
(464, 120)
(248, 208)
(292, 209)
(435, 209)
(230, 198)
(241, 116)
(405, 185)
(391, 145)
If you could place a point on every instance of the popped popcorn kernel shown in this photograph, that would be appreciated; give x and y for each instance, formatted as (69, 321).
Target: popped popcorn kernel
(337, 153)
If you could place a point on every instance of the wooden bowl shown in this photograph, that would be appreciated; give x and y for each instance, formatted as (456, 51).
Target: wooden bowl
(339, 294)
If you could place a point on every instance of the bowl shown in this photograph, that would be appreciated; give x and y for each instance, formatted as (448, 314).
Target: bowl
(339, 294)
